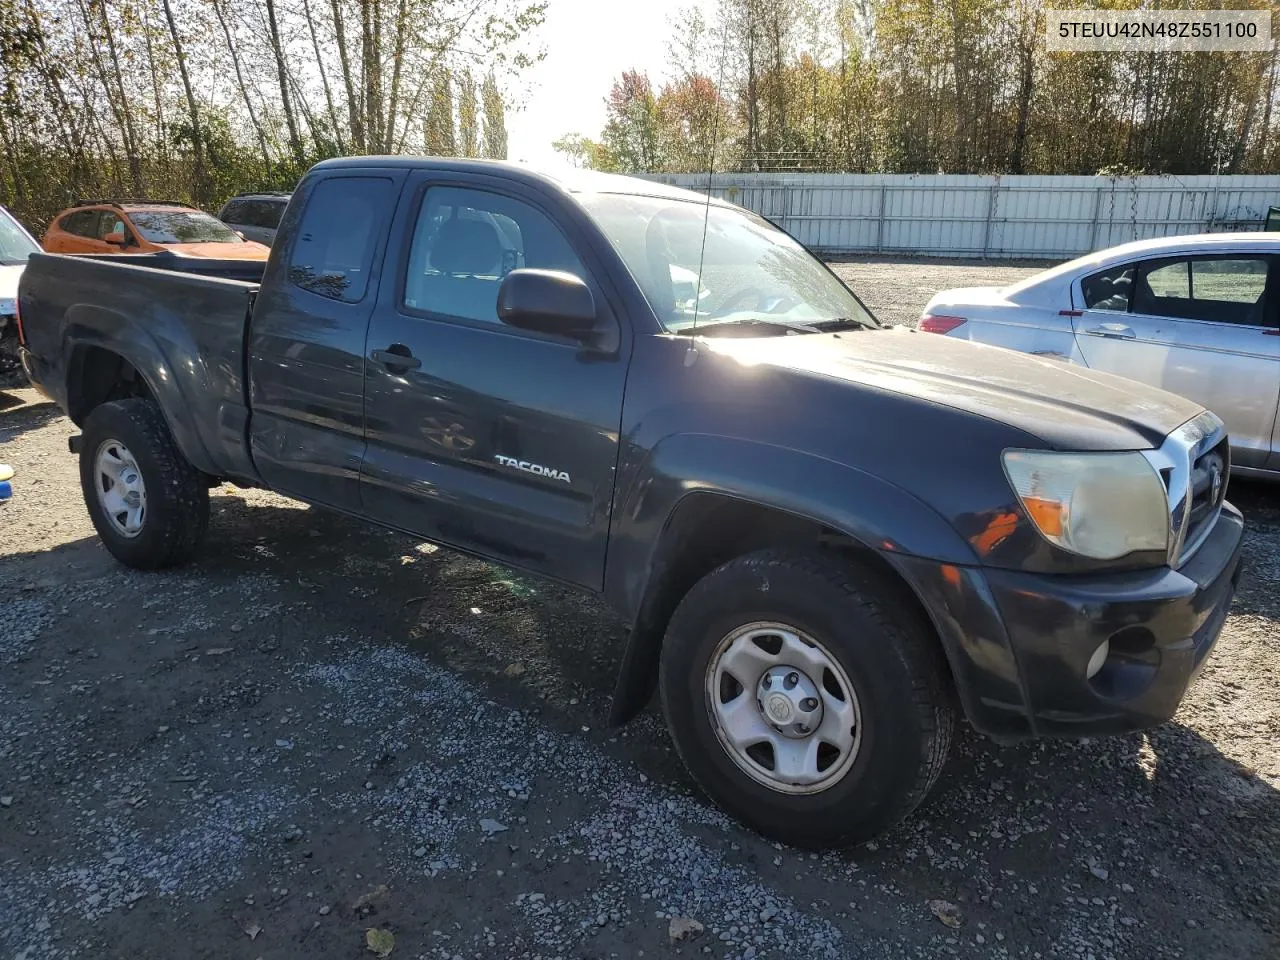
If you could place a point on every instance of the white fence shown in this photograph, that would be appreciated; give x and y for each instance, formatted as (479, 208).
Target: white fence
(990, 216)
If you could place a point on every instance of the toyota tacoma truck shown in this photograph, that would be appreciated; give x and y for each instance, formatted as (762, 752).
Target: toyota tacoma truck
(830, 539)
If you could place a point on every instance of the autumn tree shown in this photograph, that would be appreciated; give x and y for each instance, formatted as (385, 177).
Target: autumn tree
(495, 122)
(468, 115)
(631, 131)
(441, 140)
(199, 99)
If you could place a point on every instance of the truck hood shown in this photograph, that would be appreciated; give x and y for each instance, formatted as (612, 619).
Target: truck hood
(221, 251)
(1068, 407)
(9, 274)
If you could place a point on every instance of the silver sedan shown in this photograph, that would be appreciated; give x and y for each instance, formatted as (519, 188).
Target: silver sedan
(1198, 316)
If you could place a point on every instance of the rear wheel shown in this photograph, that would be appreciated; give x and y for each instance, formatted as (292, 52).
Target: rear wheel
(804, 699)
(148, 503)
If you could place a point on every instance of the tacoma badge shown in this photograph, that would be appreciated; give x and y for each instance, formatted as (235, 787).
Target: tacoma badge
(534, 468)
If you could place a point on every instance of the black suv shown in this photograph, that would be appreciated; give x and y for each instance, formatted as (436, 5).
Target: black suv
(256, 215)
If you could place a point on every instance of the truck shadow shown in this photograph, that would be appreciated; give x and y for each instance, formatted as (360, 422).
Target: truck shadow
(20, 415)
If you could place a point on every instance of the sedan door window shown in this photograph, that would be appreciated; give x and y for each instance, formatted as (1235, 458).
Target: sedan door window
(1108, 290)
(1210, 289)
(110, 223)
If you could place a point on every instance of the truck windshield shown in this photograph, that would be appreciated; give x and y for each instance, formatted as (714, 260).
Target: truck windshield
(748, 272)
(15, 244)
(181, 226)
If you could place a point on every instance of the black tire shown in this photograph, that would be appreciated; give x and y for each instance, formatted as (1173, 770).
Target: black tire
(890, 655)
(177, 494)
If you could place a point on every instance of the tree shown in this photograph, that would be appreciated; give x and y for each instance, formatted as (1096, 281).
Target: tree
(631, 131)
(495, 124)
(583, 152)
(468, 115)
(440, 138)
(199, 99)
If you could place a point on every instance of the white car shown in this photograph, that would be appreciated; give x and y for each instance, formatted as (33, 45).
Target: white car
(1198, 316)
(16, 245)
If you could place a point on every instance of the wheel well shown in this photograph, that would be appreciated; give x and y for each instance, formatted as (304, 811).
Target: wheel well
(707, 530)
(96, 376)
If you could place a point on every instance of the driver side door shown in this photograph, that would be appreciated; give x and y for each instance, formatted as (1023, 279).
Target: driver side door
(495, 440)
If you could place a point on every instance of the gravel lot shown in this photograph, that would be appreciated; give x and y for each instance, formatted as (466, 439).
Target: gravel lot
(320, 728)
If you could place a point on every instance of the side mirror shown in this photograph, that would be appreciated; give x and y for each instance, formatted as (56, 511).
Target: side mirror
(116, 239)
(548, 301)
(240, 234)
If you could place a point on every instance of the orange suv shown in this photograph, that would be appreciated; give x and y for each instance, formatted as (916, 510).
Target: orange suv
(142, 226)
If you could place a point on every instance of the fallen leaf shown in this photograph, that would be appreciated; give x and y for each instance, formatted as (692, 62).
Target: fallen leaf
(380, 942)
(683, 928)
(251, 930)
(947, 912)
(217, 651)
(514, 669)
(492, 826)
(367, 899)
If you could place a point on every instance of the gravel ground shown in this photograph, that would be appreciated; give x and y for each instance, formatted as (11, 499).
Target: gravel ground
(319, 728)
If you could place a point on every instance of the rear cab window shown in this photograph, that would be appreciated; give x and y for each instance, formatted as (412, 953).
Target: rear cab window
(335, 241)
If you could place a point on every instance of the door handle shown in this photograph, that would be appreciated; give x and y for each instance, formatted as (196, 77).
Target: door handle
(1117, 331)
(397, 358)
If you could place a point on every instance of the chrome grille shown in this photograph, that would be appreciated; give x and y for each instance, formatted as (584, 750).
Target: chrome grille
(1195, 464)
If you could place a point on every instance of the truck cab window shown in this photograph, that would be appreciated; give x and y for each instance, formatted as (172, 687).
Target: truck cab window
(466, 241)
(337, 236)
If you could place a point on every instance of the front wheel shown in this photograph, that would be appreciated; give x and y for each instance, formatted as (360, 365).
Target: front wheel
(148, 503)
(804, 698)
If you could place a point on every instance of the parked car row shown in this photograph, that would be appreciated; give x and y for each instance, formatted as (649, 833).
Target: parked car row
(830, 539)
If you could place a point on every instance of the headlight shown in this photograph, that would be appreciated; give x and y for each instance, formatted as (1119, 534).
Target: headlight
(1099, 505)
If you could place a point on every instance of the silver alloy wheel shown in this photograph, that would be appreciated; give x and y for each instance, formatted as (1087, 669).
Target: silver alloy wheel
(121, 492)
(783, 708)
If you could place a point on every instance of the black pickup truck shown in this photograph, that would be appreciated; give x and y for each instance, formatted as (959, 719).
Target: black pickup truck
(830, 538)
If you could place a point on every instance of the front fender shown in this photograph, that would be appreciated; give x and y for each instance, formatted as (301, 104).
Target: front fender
(877, 514)
(87, 326)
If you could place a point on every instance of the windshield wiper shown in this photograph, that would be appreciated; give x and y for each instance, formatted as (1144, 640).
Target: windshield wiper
(843, 323)
(753, 324)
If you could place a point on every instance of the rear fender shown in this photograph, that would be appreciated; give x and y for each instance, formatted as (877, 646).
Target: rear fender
(93, 326)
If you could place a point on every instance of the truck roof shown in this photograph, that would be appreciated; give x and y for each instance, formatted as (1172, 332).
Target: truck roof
(569, 180)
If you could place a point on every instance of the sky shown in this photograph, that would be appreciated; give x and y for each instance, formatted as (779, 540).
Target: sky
(588, 43)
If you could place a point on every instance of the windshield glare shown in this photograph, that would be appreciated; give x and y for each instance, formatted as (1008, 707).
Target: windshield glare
(181, 226)
(749, 271)
(15, 245)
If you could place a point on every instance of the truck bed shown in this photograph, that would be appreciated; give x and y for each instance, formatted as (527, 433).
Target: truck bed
(184, 332)
(250, 270)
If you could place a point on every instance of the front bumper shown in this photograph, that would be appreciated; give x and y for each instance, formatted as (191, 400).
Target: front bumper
(1019, 643)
